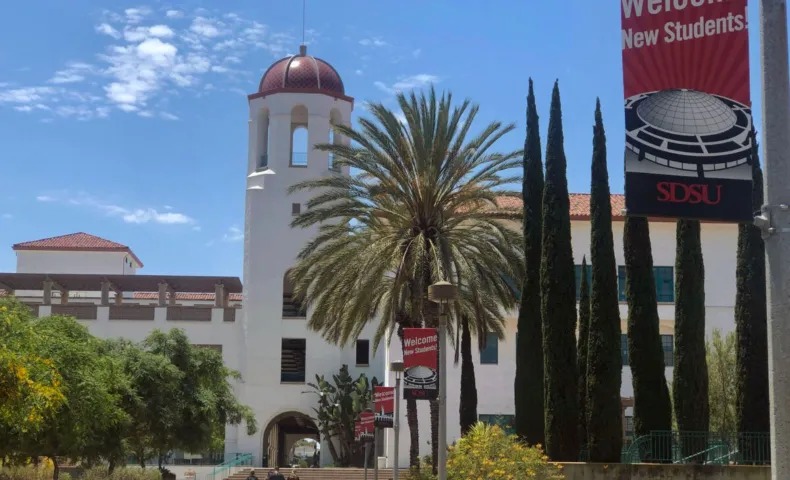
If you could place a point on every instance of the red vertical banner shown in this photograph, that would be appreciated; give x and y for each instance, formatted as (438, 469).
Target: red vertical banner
(384, 406)
(688, 121)
(363, 428)
(420, 358)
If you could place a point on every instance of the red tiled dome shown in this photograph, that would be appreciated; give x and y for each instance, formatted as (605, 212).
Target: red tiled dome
(301, 72)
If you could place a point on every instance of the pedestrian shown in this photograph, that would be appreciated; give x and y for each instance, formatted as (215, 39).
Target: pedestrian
(252, 475)
(276, 475)
(293, 475)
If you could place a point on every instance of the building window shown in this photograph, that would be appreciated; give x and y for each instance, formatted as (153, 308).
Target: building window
(667, 343)
(503, 421)
(296, 209)
(293, 360)
(363, 352)
(578, 272)
(629, 426)
(624, 349)
(299, 147)
(292, 307)
(665, 283)
(490, 354)
(516, 289)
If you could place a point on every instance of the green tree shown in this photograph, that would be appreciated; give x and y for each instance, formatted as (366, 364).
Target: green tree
(467, 406)
(30, 385)
(721, 352)
(425, 208)
(92, 408)
(558, 299)
(604, 364)
(206, 401)
(751, 318)
(581, 352)
(652, 401)
(690, 380)
(154, 401)
(340, 403)
(529, 389)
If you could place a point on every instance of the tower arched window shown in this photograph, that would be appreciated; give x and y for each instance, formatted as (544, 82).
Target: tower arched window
(332, 155)
(263, 139)
(299, 136)
(334, 138)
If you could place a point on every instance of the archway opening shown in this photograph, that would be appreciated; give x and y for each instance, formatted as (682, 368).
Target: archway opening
(305, 453)
(281, 437)
(300, 144)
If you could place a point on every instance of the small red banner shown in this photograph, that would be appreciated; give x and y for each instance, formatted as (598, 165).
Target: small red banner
(420, 359)
(363, 428)
(385, 406)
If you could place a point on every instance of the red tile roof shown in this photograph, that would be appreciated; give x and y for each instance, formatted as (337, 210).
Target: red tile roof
(580, 205)
(236, 297)
(79, 241)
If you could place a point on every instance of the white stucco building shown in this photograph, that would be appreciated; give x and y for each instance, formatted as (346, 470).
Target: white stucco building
(256, 324)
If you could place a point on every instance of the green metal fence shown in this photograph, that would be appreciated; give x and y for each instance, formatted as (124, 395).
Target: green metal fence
(710, 448)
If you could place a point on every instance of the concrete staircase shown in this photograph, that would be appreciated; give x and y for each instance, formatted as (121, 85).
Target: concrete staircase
(323, 474)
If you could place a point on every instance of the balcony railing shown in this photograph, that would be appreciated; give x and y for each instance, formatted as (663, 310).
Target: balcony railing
(80, 312)
(292, 308)
(195, 314)
(263, 162)
(132, 312)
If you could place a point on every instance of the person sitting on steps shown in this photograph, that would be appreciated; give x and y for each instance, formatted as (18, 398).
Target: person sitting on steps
(252, 475)
(276, 475)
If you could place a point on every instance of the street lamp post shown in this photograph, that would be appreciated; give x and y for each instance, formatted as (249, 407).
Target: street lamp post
(774, 221)
(442, 293)
(397, 368)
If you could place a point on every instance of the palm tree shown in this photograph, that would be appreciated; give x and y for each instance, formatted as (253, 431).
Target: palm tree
(421, 207)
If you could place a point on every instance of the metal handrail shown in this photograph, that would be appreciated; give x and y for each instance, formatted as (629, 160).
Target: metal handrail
(241, 460)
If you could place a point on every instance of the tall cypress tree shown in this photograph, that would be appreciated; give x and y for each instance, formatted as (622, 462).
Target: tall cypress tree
(652, 405)
(604, 365)
(558, 299)
(581, 352)
(690, 382)
(751, 319)
(529, 342)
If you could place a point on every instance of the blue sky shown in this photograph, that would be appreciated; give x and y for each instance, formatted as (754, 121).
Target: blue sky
(127, 120)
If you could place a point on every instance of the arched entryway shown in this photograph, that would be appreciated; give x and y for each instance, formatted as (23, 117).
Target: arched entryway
(282, 433)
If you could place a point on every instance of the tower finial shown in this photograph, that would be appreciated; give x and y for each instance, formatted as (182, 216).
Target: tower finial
(304, 7)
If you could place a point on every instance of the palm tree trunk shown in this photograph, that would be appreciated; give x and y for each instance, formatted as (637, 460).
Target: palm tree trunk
(414, 433)
(468, 403)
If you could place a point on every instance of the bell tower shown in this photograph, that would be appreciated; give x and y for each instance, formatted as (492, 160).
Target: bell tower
(298, 101)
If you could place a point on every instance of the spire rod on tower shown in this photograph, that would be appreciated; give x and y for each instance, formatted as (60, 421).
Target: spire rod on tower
(304, 6)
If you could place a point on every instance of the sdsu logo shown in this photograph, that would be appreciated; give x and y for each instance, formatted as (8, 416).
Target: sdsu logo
(675, 192)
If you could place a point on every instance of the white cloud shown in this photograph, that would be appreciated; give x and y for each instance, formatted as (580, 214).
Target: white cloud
(372, 42)
(138, 34)
(359, 72)
(234, 234)
(206, 27)
(136, 15)
(135, 216)
(7, 216)
(149, 215)
(416, 53)
(26, 95)
(232, 59)
(174, 14)
(74, 72)
(108, 29)
(408, 83)
(168, 116)
(146, 113)
(219, 69)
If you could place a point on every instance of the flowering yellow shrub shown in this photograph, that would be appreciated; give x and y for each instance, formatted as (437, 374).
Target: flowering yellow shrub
(487, 452)
(29, 385)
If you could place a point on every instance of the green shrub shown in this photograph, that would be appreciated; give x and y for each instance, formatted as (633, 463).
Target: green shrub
(421, 474)
(130, 473)
(488, 452)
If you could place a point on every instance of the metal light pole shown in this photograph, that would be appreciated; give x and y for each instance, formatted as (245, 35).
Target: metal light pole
(397, 368)
(442, 293)
(774, 221)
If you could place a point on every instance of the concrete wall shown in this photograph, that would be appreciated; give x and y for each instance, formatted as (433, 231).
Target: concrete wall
(495, 382)
(592, 471)
(45, 261)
